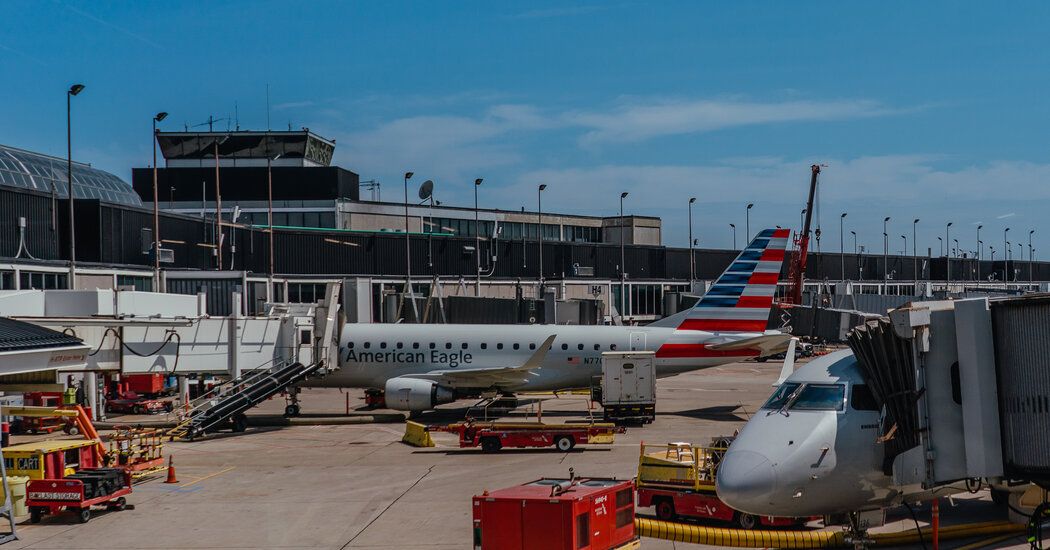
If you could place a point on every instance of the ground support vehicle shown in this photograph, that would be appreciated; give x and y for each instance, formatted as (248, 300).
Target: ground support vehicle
(579, 513)
(626, 389)
(78, 493)
(133, 403)
(493, 436)
(43, 424)
(53, 459)
(679, 480)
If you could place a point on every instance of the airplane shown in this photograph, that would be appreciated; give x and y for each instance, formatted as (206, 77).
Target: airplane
(420, 366)
(814, 449)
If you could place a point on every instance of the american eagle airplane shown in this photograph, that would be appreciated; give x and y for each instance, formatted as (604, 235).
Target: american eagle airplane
(422, 366)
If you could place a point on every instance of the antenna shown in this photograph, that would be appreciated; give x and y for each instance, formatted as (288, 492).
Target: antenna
(236, 117)
(426, 190)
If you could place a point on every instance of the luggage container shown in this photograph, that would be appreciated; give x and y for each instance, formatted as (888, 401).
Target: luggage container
(557, 513)
(627, 391)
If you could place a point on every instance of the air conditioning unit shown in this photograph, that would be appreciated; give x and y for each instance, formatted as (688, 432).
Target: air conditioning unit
(583, 270)
(167, 256)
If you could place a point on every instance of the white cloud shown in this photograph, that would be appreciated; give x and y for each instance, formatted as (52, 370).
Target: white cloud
(641, 121)
(1004, 216)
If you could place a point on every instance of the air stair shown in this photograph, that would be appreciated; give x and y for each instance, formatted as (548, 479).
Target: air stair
(227, 403)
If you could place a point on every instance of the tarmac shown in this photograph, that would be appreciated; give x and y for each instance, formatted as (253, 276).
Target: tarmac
(355, 485)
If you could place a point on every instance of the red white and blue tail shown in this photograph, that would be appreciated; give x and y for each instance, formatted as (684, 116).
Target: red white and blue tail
(741, 298)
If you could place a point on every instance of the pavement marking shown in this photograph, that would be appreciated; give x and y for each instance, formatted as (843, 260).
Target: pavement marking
(209, 476)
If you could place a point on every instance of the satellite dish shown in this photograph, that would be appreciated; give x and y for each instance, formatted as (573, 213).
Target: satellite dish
(426, 190)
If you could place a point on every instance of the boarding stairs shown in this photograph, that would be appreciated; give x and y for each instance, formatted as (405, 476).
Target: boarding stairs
(229, 400)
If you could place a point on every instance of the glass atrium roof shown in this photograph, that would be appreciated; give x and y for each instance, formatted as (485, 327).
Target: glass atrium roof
(28, 170)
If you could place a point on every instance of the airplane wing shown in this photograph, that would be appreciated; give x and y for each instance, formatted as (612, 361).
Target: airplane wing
(486, 377)
(767, 343)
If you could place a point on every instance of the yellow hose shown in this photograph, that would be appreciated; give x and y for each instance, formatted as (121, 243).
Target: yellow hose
(760, 538)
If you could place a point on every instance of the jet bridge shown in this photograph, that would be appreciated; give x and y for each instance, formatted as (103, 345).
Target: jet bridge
(964, 388)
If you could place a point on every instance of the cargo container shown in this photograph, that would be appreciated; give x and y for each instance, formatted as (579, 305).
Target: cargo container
(627, 390)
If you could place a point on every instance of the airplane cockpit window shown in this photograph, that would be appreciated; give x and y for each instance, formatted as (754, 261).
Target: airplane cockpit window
(793, 396)
(781, 396)
(820, 397)
(861, 398)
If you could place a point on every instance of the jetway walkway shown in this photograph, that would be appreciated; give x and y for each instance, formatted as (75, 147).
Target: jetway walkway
(230, 400)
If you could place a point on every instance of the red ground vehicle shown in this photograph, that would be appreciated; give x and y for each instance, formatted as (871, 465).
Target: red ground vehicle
(78, 493)
(679, 480)
(493, 436)
(570, 514)
(133, 403)
(43, 424)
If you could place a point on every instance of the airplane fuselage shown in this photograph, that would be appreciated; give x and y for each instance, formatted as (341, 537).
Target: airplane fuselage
(370, 354)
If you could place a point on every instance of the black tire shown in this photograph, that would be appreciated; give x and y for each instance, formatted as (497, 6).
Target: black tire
(665, 510)
(119, 505)
(71, 429)
(138, 409)
(240, 423)
(84, 515)
(745, 521)
(564, 443)
(1000, 498)
(761, 359)
(35, 514)
(291, 410)
(490, 444)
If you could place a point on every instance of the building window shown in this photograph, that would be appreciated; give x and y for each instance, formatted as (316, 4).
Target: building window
(135, 282)
(43, 281)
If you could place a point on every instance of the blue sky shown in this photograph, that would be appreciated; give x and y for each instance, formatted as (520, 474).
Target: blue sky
(932, 110)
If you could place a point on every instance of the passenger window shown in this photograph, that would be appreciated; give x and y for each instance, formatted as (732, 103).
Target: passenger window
(382, 345)
(579, 347)
(532, 345)
(499, 346)
(433, 345)
(350, 344)
(564, 347)
(368, 345)
(448, 345)
(484, 345)
(400, 345)
(415, 345)
(597, 347)
(612, 347)
(463, 345)
(517, 346)
(862, 399)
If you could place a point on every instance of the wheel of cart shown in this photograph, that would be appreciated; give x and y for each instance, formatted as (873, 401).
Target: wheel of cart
(490, 444)
(665, 509)
(564, 443)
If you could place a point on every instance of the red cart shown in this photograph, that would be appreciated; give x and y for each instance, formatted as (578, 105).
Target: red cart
(52, 495)
(493, 436)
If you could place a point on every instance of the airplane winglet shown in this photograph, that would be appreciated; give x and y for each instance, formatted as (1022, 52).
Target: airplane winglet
(536, 361)
(789, 363)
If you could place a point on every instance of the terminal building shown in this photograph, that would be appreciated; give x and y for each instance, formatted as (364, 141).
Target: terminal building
(329, 226)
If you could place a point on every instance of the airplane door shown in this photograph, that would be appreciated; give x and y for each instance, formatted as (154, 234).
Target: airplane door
(637, 341)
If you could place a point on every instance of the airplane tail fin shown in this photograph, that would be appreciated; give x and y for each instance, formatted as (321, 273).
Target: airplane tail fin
(741, 298)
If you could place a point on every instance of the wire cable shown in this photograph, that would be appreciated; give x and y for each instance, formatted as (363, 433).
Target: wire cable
(922, 540)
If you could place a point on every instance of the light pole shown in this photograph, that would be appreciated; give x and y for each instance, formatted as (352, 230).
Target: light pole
(270, 157)
(408, 248)
(539, 219)
(733, 226)
(156, 207)
(948, 258)
(1006, 256)
(979, 254)
(842, 247)
(747, 220)
(904, 252)
(477, 239)
(885, 252)
(218, 209)
(856, 258)
(801, 219)
(1030, 233)
(692, 268)
(623, 278)
(914, 253)
(73, 90)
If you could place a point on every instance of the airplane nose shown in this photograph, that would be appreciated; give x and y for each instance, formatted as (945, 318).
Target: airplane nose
(746, 480)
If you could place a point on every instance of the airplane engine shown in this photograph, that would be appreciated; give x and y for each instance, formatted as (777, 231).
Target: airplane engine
(413, 394)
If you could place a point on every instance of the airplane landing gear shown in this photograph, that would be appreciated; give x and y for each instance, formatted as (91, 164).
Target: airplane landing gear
(292, 407)
(856, 534)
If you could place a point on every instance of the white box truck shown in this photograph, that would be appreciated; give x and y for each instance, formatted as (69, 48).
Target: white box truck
(628, 386)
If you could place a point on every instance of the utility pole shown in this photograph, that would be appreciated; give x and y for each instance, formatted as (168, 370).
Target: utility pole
(885, 253)
(477, 239)
(408, 247)
(947, 256)
(979, 255)
(692, 267)
(156, 208)
(73, 90)
(623, 277)
(842, 248)
(1006, 256)
(539, 232)
(733, 226)
(914, 254)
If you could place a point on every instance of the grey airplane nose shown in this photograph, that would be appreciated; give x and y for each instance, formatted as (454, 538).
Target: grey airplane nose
(746, 481)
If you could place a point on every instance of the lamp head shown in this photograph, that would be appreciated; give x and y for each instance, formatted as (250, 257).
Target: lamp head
(749, 205)
(478, 181)
(692, 200)
(543, 186)
(623, 195)
(916, 220)
(733, 225)
(886, 219)
(76, 89)
(408, 175)
(843, 215)
(160, 116)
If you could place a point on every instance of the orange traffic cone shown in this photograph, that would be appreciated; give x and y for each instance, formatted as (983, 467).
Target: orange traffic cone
(171, 470)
